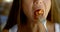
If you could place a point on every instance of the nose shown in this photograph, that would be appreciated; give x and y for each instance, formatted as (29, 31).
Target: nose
(37, 1)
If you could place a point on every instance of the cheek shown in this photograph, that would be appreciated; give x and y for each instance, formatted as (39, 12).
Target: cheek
(27, 9)
(48, 6)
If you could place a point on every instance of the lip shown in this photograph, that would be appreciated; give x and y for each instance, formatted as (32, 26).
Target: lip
(38, 13)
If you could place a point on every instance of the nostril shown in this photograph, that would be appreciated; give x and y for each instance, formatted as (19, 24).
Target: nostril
(36, 2)
(40, 2)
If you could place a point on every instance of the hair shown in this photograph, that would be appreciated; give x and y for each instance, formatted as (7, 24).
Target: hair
(55, 11)
(12, 18)
(23, 17)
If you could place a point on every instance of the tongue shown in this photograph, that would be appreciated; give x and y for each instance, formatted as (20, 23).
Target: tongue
(38, 12)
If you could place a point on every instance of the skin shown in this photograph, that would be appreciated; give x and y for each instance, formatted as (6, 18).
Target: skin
(29, 7)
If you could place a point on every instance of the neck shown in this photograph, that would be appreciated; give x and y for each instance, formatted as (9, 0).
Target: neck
(34, 25)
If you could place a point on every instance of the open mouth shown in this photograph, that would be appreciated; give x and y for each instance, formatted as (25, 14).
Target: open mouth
(38, 12)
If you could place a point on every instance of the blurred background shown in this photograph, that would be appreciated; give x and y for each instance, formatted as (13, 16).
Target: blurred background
(5, 6)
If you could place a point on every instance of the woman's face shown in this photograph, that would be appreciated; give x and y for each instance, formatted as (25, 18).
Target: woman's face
(36, 9)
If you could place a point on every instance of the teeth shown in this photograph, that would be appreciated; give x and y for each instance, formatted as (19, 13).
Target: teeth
(39, 12)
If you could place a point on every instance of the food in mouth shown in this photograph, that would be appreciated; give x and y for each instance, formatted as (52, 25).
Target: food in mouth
(38, 13)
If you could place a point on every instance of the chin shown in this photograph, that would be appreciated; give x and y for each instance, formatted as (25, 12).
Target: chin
(40, 19)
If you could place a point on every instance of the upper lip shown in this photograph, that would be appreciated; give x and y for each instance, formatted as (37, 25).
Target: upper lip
(36, 11)
(36, 8)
